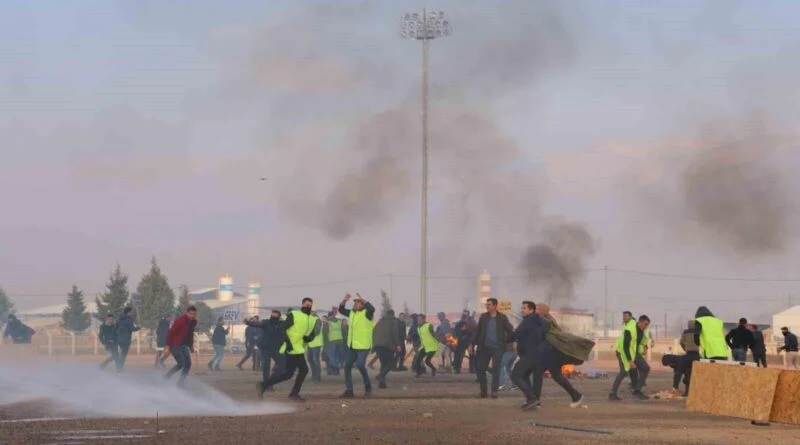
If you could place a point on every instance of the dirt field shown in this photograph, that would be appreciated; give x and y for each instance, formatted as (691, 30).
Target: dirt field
(442, 410)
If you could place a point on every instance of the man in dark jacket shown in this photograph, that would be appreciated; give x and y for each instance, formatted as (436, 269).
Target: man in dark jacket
(494, 331)
(553, 358)
(180, 343)
(19, 332)
(125, 329)
(759, 347)
(463, 332)
(739, 340)
(530, 337)
(108, 338)
(273, 336)
(251, 339)
(400, 355)
(413, 338)
(218, 341)
(790, 346)
(387, 338)
(161, 340)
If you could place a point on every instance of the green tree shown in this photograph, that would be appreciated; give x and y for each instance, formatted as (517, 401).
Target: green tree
(205, 317)
(184, 300)
(116, 296)
(6, 307)
(75, 318)
(386, 302)
(157, 298)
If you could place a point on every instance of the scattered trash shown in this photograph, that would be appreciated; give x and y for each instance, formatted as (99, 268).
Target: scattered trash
(668, 394)
(344, 405)
(161, 431)
(585, 406)
(427, 415)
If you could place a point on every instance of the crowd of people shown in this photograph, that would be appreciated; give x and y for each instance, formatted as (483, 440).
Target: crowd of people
(294, 344)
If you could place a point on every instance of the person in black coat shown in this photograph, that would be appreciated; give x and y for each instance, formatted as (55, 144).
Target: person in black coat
(125, 329)
(530, 337)
(19, 332)
(251, 340)
(273, 335)
(108, 338)
(759, 347)
(161, 340)
(219, 342)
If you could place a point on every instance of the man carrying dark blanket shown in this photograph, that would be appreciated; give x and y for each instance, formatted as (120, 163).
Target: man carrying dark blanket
(562, 348)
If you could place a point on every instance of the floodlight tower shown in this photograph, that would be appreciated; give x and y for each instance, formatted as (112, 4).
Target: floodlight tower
(424, 27)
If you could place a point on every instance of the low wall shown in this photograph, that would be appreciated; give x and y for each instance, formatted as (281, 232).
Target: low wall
(760, 394)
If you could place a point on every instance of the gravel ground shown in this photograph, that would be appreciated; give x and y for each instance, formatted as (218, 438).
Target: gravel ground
(441, 410)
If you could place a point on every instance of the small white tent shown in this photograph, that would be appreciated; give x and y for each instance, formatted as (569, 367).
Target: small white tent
(789, 318)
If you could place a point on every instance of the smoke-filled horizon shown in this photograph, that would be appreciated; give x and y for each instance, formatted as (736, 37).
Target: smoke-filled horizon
(153, 138)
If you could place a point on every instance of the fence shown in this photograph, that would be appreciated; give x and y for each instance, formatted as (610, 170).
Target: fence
(65, 343)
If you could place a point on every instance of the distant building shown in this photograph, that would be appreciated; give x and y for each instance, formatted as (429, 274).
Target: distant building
(789, 318)
(220, 299)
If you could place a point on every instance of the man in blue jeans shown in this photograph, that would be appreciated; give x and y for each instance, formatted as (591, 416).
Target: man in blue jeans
(314, 350)
(180, 343)
(359, 342)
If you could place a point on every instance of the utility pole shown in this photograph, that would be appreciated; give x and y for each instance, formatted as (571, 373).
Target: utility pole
(605, 312)
(425, 27)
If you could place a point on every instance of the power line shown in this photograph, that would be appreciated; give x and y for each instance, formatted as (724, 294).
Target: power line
(707, 277)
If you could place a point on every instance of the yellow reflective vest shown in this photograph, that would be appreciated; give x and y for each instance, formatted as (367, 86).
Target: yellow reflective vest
(428, 341)
(317, 342)
(359, 337)
(335, 330)
(712, 338)
(630, 327)
(302, 326)
(644, 343)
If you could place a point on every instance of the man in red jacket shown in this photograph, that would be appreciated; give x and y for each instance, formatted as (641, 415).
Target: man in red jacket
(180, 342)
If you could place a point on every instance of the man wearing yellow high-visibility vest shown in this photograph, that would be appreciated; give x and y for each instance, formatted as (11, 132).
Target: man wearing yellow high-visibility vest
(428, 347)
(709, 334)
(359, 341)
(333, 330)
(642, 367)
(299, 332)
(314, 350)
(626, 347)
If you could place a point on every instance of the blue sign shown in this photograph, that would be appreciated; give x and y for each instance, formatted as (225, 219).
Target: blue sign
(226, 287)
(255, 290)
(136, 300)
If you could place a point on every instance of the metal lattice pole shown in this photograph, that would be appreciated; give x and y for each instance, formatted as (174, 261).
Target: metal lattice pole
(424, 27)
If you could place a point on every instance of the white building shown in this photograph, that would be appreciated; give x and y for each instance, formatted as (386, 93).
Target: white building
(789, 318)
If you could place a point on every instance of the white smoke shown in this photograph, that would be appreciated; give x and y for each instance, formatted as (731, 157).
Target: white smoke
(84, 390)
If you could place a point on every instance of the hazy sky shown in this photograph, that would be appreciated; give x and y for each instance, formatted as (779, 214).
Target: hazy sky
(139, 128)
